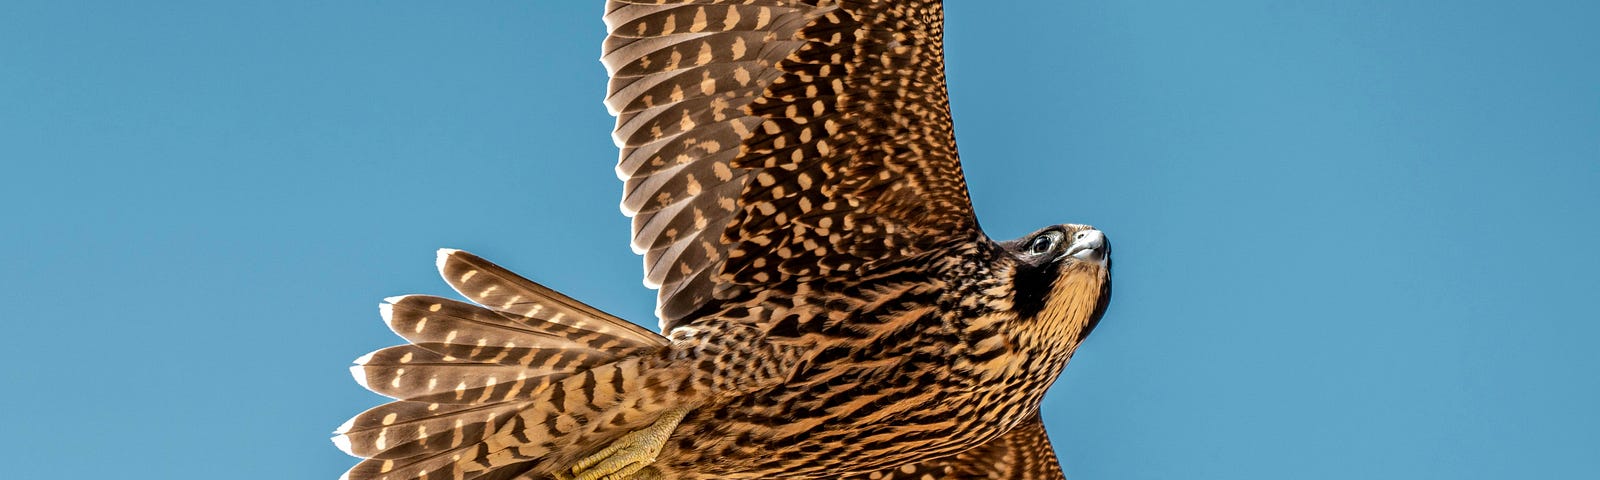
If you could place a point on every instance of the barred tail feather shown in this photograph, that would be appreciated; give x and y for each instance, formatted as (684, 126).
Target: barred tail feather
(407, 429)
(589, 409)
(499, 289)
(410, 372)
(480, 389)
(470, 332)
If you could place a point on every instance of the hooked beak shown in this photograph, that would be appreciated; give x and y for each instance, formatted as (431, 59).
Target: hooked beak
(1089, 245)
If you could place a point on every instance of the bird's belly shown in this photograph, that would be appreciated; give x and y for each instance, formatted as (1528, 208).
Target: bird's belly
(847, 417)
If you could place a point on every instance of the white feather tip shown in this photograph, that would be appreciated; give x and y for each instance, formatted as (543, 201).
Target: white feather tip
(444, 253)
(343, 429)
(360, 374)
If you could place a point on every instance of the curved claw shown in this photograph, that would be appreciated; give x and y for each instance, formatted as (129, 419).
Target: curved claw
(630, 454)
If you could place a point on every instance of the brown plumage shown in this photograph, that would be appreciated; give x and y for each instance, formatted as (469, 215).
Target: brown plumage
(1024, 453)
(828, 304)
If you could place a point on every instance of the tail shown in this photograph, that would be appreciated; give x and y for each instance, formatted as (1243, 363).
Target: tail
(483, 390)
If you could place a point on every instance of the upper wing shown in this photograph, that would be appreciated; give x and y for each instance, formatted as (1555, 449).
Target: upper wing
(776, 140)
(1024, 453)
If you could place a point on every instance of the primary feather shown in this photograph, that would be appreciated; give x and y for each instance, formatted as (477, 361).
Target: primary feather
(828, 305)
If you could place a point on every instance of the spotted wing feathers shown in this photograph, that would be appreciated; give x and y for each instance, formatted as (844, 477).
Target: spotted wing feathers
(682, 76)
(780, 140)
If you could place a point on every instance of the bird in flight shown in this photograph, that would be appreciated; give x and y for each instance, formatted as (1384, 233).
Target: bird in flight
(828, 306)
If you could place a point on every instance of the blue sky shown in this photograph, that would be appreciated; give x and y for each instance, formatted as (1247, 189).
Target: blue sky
(1355, 239)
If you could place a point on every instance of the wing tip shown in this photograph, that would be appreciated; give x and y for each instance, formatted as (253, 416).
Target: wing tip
(342, 440)
(345, 428)
(622, 174)
(661, 319)
(611, 109)
(357, 372)
(444, 255)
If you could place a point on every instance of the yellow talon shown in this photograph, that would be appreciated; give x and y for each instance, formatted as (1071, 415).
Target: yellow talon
(624, 458)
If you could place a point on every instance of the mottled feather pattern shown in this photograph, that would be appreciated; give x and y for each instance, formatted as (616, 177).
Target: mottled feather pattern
(416, 373)
(469, 332)
(829, 307)
(682, 73)
(856, 164)
(501, 290)
(1024, 453)
(402, 430)
(487, 385)
(901, 365)
(772, 140)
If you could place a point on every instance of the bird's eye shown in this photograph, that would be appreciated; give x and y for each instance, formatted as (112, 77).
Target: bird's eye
(1043, 243)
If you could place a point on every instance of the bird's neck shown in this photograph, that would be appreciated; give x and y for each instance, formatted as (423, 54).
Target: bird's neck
(1069, 307)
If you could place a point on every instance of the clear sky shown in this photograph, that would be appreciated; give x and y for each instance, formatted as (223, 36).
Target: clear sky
(1354, 238)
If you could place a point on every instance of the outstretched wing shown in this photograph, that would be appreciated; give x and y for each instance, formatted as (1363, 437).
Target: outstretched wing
(1024, 453)
(766, 141)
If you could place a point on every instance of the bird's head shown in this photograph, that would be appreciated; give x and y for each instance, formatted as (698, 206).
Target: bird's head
(1063, 280)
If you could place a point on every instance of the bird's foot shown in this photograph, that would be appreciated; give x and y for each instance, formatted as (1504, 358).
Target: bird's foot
(624, 458)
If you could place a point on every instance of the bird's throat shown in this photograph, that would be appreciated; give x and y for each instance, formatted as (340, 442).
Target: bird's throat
(1069, 307)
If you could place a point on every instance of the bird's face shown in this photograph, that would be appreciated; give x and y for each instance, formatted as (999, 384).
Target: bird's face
(1062, 244)
(1062, 280)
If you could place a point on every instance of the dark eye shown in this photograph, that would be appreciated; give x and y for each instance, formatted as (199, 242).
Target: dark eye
(1043, 243)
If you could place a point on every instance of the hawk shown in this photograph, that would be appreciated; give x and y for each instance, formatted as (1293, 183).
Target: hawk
(828, 306)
